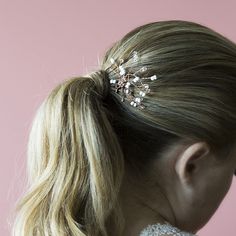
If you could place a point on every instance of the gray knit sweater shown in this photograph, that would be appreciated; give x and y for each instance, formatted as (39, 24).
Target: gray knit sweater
(163, 229)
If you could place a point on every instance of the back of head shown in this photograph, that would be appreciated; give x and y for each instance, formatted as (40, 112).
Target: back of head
(83, 136)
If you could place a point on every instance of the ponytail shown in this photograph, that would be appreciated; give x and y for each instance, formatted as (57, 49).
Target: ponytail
(75, 163)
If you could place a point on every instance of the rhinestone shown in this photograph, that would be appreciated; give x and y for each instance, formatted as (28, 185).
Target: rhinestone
(135, 56)
(153, 77)
(122, 70)
(136, 79)
(142, 93)
(112, 81)
(143, 69)
(112, 60)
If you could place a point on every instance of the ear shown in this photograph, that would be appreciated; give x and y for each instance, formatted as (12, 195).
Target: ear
(191, 159)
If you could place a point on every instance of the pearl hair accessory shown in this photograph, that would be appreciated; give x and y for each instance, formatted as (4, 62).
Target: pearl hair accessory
(128, 81)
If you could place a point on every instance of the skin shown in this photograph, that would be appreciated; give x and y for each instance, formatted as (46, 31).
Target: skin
(184, 187)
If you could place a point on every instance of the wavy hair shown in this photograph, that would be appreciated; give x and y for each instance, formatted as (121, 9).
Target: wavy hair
(83, 137)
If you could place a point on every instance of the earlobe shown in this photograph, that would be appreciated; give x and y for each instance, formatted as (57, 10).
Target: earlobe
(187, 161)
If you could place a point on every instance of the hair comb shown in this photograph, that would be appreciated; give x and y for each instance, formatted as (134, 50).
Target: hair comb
(127, 82)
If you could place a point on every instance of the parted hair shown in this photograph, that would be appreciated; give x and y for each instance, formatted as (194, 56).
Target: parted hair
(83, 136)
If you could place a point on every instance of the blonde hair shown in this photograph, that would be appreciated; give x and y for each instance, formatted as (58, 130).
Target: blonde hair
(83, 136)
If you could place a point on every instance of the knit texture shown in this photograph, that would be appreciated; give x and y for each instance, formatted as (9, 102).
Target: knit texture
(163, 229)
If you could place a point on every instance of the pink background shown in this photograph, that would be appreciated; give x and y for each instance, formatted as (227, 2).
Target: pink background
(43, 42)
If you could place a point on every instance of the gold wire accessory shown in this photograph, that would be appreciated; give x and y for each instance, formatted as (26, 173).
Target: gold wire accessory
(127, 82)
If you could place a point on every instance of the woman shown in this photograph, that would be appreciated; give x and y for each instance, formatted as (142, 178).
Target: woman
(145, 145)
